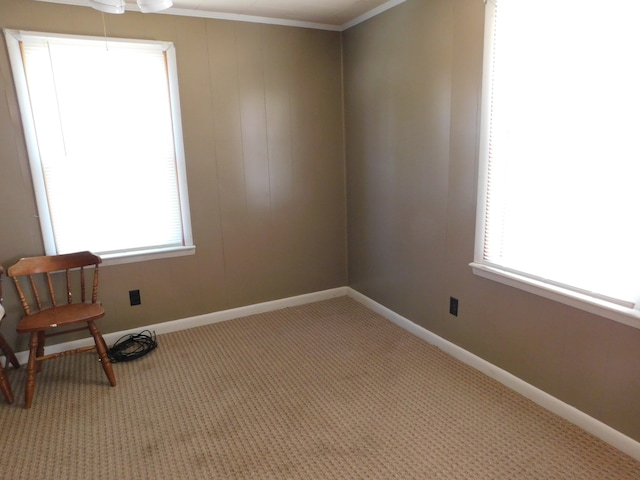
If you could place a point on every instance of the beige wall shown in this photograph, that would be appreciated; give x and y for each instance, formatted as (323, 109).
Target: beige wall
(262, 121)
(412, 89)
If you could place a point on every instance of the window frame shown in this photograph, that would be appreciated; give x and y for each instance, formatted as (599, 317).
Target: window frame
(13, 38)
(594, 304)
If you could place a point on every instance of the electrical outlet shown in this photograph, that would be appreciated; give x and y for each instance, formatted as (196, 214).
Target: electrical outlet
(134, 297)
(453, 306)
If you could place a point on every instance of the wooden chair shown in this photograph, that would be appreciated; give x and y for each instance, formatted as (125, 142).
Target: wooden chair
(42, 319)
(9, 356)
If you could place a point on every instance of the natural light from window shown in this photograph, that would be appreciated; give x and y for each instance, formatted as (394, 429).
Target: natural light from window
(560, 154)
(103, 130)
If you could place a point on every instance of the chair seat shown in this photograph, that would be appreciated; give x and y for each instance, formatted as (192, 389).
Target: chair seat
(60, 316)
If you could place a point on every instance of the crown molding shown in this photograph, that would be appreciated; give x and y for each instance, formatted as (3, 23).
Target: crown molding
(236, 17)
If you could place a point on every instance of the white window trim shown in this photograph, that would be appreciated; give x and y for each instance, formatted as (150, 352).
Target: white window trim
(599, 306)
(145, 255)
(12, 38)
(587, 303)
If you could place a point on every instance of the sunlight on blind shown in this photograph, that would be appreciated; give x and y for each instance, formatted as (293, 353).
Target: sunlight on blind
(564, 159)
(102, 116)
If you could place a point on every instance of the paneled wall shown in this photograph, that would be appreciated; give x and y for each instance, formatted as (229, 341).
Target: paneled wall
(412, 93)
(263, 130)
(262, 118)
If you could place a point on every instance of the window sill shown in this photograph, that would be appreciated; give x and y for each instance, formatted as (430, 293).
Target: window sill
(612, 311)
(145, 255)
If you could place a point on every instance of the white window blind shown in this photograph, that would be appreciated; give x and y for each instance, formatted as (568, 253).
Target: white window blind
(560, 156)
(105, 147)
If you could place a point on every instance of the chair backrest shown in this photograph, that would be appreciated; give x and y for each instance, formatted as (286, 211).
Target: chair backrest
(45, 296)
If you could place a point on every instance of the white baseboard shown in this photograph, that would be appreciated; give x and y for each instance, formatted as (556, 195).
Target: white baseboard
(595, 427)
(199, 320)
(600, 430)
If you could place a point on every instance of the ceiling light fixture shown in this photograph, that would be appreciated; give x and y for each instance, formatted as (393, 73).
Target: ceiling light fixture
(118, 6)
(108, 6)
(150, 6)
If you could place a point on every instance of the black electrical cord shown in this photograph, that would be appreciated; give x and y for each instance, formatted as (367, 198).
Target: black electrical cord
(133, 346)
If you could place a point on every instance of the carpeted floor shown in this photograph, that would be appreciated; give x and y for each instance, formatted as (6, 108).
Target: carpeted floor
(328, 390)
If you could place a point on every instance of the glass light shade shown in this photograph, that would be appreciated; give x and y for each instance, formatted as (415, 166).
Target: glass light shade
(108, 6)
(150, 6)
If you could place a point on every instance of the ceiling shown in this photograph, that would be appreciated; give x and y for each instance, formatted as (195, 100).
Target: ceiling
(324, 14)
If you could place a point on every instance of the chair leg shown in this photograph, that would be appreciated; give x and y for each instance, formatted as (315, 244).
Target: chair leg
(32, 367)
(101, 346)
(5, 387)
(8, 352)
(40, 349)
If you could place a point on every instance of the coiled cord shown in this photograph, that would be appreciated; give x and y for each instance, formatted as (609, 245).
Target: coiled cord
(133, 346)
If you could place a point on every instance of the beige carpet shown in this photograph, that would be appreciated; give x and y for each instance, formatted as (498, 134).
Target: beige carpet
(323, 391)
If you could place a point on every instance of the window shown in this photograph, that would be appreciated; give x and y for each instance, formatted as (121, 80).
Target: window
(559, 186)
(102, 124)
